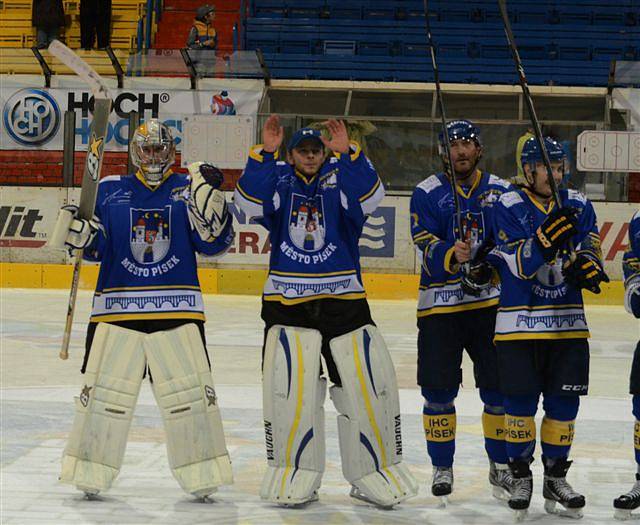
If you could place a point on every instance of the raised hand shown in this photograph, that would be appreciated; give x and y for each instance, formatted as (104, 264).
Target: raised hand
(272, 134)
(339, 142)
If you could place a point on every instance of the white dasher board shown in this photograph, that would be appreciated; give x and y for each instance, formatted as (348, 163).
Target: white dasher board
(609, 151)
(221, 140)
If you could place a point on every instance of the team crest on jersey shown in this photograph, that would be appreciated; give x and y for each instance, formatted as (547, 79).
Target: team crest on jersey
(473, 227)
(550, 274)
(150, 234)
(489, 197)
(306, 222)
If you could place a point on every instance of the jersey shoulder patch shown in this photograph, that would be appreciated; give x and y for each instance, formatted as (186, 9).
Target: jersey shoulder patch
(281, 163)
(334, 160)
(430, 184)
(494, 179)
(576, 196)
(511, 198)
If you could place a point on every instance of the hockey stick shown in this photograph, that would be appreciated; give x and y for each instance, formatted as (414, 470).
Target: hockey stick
(527, 98)
(445, 134)
(92, 166)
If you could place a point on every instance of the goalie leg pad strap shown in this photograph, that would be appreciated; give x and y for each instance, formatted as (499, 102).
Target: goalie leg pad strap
(369, 420)
(183, 387)
(293, 400)
(94, 452)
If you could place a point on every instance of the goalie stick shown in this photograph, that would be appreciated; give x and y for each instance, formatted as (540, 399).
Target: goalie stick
(92, 166)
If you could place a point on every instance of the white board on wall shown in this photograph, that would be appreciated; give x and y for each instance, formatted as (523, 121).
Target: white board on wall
(222, 140)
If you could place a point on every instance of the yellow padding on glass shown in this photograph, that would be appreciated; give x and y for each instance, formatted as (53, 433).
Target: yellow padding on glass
(556, 432)
(493, 426)
(519, 429)
(636, 435)
(440, 427)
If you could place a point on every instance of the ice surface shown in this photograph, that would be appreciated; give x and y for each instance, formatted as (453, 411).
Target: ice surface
(37, 410)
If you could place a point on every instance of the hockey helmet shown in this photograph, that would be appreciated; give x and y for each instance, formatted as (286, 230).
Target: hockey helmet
(460, 130)
(531, 154)
(153, 150)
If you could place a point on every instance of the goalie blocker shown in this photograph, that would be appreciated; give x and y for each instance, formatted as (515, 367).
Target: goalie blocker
(368, 422)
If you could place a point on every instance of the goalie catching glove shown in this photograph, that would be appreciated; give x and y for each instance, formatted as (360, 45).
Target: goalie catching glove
(72, 233)
(584, 272)
(207, 204)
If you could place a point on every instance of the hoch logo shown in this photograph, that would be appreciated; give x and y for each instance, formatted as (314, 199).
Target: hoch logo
(31, 117)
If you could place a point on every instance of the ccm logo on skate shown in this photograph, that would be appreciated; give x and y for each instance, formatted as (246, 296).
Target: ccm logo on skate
(268, 437)
(575, 388)
(19, 221)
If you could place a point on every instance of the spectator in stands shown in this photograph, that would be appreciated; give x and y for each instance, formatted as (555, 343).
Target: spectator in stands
(203, 34)
(48, 17)
(95, 20)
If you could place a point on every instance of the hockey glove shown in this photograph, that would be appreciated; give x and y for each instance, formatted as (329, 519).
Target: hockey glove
(71, 233)
(207, 204)
(477, 275)
(632, 296)
(555, 232)
(585, 273)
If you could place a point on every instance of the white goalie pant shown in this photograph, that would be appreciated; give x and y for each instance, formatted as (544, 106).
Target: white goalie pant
(293, 399)
(369, 418)
(183, 387)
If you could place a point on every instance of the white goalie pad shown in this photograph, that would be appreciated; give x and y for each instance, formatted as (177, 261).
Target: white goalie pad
(94, 452)
(293, 401)
(183, 387)
(369, 419)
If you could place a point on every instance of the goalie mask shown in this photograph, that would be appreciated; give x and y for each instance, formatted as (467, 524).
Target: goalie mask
(532, 156)
(153, 151)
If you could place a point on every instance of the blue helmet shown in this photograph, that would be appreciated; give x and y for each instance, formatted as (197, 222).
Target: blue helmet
(531, 153)
(461, 130)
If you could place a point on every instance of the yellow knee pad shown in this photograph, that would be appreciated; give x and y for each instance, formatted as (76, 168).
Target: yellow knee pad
(493, 426)
(519, 429)
(559, 433)
(439, 427)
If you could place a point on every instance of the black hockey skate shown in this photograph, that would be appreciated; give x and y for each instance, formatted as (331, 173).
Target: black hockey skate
(627, 502)
(501, 480)
(522, 488)
(442, 483)
(556, 489)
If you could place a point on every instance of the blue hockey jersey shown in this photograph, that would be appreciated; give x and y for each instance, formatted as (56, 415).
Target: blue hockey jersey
(147, 249)
(433, 230)
(535, 302)
(314, 223)
(631, 268)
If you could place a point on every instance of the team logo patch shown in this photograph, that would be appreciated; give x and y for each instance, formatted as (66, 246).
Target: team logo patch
(150, 234)
(84, 395)
(306, 222)
(472, 227)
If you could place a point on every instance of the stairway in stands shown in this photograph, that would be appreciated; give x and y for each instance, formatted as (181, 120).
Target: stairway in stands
(177, 19)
